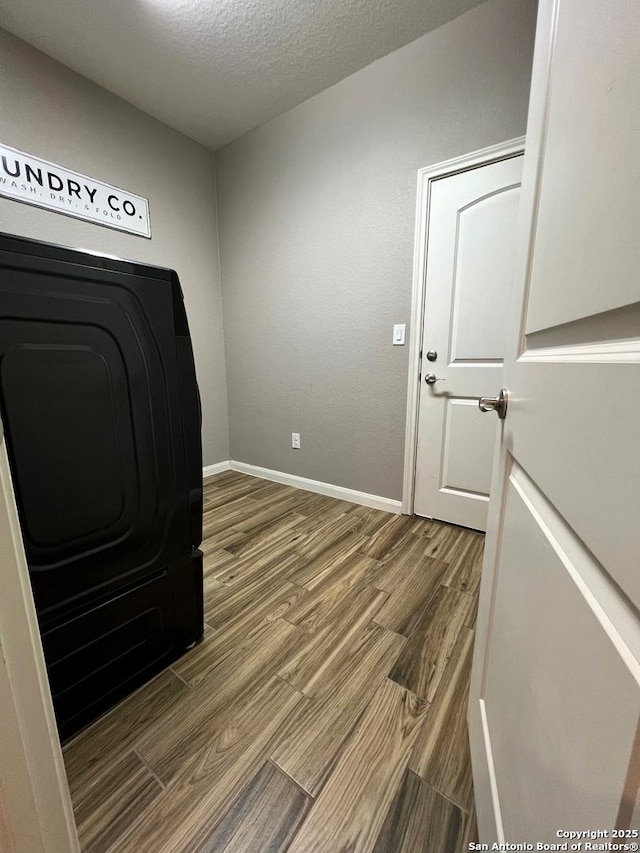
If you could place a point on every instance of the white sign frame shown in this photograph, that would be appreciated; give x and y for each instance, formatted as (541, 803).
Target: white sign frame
(41, 183)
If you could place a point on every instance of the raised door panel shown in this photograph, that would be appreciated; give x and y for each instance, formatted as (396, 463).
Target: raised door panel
(588, 217)
(561, 691)
(574, 427)
(482, 272)
(467, 450)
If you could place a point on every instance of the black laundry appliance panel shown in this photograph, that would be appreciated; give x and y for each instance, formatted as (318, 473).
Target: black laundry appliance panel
(101, 413)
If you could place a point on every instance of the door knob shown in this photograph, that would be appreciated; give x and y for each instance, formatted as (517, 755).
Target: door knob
(431, 378)
(495, 404)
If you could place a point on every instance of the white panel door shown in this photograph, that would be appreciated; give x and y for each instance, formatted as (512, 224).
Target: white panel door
(555, 697)
(471, 234)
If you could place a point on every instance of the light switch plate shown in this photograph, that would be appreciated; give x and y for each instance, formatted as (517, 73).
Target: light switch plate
(295, 440)
(398, 335)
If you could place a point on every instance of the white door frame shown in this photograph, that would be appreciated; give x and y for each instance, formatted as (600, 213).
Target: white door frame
(483, 157)
(36, 814)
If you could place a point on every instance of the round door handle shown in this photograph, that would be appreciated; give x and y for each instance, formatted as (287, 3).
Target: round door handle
(431, 379)
(495, 404)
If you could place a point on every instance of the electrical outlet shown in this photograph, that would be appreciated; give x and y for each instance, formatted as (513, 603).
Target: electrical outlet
(295, 440)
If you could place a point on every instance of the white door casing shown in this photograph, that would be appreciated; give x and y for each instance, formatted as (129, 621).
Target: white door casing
(465, 267)
(555, 695)
(36, 815)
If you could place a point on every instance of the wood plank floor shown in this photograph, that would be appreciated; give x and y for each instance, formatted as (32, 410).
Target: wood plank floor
(325, 708)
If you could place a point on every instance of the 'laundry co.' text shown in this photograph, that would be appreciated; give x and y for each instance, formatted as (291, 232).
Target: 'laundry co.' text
(30, 179)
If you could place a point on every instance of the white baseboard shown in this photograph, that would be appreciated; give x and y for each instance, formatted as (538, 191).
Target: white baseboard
(362, 498)
(217, 468)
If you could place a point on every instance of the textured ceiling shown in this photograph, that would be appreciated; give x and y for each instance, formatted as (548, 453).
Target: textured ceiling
(214, 69)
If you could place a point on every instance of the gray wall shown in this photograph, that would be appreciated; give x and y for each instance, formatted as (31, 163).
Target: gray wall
(49, 111)
(316, 220)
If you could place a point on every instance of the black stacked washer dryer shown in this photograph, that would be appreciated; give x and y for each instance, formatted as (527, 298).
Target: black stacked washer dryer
(101, 414)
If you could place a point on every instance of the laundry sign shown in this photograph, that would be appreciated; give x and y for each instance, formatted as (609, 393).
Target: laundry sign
(44, 184)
